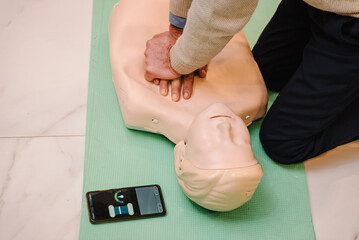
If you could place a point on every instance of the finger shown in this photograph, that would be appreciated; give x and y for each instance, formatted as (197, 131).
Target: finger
(156, 81)
(202, 72)
(187, 85)
(164, 87)
(176, 89)
(148, 76)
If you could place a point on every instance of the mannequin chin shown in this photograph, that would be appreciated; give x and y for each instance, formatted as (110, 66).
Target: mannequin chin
(215, 166)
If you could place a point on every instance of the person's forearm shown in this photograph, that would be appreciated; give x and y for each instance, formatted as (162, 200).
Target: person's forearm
(209, 27)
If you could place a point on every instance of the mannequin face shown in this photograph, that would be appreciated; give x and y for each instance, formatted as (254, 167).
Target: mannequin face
(218, 139)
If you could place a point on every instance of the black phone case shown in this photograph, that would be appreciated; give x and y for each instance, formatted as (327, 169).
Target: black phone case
(90, 208)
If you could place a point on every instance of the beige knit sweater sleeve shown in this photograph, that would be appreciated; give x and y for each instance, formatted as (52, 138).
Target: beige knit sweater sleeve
(209, 27)
(180, 7)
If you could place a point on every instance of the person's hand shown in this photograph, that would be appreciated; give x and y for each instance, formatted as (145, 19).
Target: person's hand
(158, 64)
(185, 82)
(159, 69)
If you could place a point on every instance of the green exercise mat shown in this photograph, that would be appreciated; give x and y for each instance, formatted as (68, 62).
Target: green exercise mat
(118, 157)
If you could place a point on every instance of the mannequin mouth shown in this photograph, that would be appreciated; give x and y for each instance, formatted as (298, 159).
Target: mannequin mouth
(220, 116)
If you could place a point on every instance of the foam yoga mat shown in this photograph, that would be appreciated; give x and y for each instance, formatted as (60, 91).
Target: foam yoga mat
(119, 157)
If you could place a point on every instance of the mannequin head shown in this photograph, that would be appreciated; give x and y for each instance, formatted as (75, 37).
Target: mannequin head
(215, 165)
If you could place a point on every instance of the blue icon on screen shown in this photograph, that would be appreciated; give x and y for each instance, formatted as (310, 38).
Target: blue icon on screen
(121, 210)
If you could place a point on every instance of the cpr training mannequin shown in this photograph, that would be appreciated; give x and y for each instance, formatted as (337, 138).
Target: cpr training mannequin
(218, 168)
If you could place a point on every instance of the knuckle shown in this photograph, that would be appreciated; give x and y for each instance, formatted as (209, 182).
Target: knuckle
(176, 88)
(188, 78)
(187, 89)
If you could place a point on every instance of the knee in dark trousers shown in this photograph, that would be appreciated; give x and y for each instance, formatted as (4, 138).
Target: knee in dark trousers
(280, 150)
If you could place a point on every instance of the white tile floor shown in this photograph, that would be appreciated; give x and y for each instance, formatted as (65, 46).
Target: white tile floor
(44, 58)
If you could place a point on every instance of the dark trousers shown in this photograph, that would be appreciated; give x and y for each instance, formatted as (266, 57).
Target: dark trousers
(312, 58)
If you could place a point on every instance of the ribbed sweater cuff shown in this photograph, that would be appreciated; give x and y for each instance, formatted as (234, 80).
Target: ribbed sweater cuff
(178, 65)
(180, 7)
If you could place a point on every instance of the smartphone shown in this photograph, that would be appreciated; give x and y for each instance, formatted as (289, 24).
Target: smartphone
(125, 203)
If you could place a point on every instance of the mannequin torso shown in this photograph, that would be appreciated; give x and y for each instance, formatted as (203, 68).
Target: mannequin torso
(233, 77)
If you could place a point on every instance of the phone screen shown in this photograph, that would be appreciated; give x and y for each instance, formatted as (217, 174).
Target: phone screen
(125, 203)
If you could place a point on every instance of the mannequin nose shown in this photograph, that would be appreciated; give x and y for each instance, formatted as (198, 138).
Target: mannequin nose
(225, 128)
